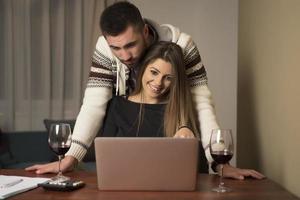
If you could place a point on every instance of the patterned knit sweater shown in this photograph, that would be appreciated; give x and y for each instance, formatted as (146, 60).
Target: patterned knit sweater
(108, 74)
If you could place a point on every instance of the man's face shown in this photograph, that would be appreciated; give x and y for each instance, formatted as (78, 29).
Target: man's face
(129, 45)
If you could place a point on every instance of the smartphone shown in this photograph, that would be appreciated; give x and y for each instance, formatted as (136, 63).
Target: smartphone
(68, 185)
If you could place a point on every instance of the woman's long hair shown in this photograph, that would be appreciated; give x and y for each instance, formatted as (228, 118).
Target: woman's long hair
(179, 110)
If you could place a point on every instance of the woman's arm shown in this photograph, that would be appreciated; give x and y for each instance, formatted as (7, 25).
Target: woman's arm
(184, 132)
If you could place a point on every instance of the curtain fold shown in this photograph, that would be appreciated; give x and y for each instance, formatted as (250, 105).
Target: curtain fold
(45, 56)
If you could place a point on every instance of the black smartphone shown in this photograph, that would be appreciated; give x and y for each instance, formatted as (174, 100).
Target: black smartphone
(68, 185)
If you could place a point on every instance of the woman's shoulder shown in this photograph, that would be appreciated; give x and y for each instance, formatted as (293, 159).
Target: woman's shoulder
(121, 100)
(115, 100)
(126, 102)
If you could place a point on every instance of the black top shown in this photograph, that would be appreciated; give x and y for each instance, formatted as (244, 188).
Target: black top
(122, 119)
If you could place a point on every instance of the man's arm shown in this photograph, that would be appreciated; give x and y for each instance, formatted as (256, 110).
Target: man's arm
(206, 115)
(92, 112)
(97, 94)
(89, 121)
(202, 96)
(204, 105)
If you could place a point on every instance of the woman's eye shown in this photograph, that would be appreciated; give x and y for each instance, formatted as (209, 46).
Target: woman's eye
(169, 78)
(154, 72)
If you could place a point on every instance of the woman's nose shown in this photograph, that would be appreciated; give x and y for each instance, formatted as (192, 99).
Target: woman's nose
(158, 81)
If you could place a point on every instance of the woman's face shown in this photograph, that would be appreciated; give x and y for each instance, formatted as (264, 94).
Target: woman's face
(156, 80)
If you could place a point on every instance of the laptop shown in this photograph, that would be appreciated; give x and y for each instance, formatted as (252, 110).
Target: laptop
(147, 164)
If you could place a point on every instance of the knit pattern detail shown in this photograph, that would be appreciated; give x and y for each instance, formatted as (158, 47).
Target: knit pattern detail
(80, 143)
(195, 69)
(103, 71)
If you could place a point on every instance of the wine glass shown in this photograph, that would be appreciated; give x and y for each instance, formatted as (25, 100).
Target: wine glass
(59, 140)
(221, 150)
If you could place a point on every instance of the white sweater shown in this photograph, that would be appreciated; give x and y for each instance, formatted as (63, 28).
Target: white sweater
(107, 73)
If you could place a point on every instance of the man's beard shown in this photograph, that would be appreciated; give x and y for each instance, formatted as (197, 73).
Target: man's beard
(133, 63)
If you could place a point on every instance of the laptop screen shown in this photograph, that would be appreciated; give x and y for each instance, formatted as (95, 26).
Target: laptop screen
(161, 164)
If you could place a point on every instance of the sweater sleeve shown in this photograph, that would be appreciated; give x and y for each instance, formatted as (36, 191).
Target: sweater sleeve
(206, 115)
(96, 96)
(201, 94)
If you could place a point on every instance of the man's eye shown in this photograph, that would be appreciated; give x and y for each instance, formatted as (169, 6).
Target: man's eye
(130, 45)
(115, 48)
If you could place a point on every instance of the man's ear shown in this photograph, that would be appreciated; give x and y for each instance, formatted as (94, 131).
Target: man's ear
(146, 31)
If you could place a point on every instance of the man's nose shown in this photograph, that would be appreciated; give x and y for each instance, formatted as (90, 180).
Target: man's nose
(126, 55)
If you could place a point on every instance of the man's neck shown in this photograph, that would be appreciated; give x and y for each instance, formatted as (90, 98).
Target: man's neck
(152, 37)
(150, 40)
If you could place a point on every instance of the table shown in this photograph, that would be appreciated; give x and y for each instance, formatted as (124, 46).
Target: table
(248, 189)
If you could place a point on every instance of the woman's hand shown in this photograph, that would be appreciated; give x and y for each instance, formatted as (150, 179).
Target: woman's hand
(184, 133)
(67, 164)
(237, 173)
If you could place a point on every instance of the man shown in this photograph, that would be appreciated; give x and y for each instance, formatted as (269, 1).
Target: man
(114, 67)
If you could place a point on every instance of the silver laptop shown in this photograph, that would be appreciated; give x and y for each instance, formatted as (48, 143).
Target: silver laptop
(156, 164)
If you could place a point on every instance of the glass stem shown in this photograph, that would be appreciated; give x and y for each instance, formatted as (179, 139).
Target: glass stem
(221, 184)
(59, 161)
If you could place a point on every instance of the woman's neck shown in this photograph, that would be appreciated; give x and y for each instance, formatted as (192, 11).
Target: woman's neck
(140, 98)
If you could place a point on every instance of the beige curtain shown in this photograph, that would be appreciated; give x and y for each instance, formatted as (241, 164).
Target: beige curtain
(45, 55)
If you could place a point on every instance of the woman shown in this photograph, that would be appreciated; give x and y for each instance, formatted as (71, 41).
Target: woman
(161, 105)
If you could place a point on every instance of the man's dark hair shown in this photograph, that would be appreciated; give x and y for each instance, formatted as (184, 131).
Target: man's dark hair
(116, 18)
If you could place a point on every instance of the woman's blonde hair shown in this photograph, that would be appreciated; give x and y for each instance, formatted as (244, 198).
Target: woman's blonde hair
(179, 110)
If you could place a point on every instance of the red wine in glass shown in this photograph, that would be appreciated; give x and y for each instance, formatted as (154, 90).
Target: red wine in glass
(221, 150)
(59, 140)
(221, 157)
(60, 150)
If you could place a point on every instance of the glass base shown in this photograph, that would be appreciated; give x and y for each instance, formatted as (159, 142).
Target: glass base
(60, 178)
(221, 189)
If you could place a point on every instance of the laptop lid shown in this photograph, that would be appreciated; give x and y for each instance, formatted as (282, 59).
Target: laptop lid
(156, 164)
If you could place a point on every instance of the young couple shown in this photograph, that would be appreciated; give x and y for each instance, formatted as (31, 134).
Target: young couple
(161, 90)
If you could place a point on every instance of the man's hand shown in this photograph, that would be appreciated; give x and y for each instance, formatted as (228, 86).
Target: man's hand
(237, 173)
(67, 164)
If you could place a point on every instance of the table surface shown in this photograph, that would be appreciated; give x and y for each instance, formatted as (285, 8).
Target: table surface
(246, 189)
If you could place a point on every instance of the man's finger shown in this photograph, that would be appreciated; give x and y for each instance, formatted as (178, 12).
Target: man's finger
(252, 173)
(256, 174)
(46, 169)
(238, 176)
(31, 168)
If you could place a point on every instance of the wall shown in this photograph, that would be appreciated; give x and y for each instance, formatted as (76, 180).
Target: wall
(213, 25)
(268, 89)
